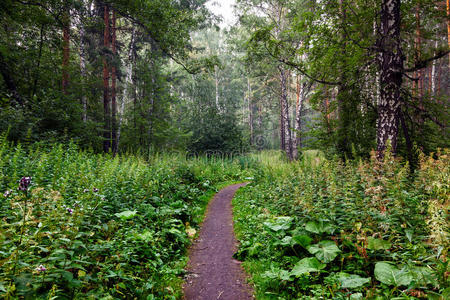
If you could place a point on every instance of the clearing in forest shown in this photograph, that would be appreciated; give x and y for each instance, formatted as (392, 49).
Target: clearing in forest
(213, 273)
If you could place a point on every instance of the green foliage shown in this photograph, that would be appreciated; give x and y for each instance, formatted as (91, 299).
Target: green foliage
(279, 223)
(325, 251)
(148, 34)
(389, 274)
(307, 265)
(351, 281)
(373, 228)
(93, 226)
(377, 244)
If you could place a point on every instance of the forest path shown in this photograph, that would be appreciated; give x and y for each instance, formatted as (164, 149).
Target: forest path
(213, 273)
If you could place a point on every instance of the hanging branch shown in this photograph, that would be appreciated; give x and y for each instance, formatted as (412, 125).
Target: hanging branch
(424, 63)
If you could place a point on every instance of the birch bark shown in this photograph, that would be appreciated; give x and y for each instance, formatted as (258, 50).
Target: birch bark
(391, 71)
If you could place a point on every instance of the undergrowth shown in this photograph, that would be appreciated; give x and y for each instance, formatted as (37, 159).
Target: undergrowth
(325, 229)
(80, 225)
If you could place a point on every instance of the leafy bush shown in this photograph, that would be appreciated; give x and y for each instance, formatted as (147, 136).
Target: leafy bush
(91, 226)
(325, 229)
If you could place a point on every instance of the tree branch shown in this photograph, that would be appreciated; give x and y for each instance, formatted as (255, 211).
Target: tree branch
(424, 63)
(150, 33)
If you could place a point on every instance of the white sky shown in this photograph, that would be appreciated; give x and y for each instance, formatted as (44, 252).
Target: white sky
(223, 8)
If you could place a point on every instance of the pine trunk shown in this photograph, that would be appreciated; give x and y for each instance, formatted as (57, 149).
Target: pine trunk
(391, 70)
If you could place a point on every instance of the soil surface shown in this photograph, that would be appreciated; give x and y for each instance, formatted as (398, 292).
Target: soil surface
(212, 272)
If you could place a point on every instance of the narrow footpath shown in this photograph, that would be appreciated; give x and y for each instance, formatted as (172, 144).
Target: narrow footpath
(213, 274)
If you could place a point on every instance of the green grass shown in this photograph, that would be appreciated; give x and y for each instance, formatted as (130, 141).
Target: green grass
(93, 226)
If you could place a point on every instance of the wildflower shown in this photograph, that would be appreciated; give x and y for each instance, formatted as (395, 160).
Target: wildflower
(70, 211)
(95, 190)
(85, 190)
(24, 183)
(41, 268)
(6, 194)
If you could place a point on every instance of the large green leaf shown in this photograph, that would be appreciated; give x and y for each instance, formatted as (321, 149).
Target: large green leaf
(307, 265)
(279, 223)
(286, 241)
(319, 227)
(356, 296)
(389, 274)
(326, 251)
(280, 274)
(377, 244)
(422, 276)
(125, 215)
(302, 240)
(351, 281)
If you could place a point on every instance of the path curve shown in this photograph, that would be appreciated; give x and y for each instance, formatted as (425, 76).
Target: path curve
(213, 274)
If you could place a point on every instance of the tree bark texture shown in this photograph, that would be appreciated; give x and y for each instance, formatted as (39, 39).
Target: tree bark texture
(298, 125)
(285, 112)
(128, 82)
(391, 71)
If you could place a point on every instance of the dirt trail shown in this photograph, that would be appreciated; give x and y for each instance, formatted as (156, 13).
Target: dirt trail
(212, 272)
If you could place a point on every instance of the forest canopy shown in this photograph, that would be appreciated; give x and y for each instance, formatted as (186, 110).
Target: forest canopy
(342, 76)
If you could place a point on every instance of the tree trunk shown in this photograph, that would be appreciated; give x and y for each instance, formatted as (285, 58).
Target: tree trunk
(418, 41)
(448, 29)
(433, 74)
(153, 87)
(216, 77)
(106, 104)
(38, 65)
(298, 117)
(342, 96)
(260, 121)
(285, 112)
(83, 60)
(250, 110)
(66, 51)
(391, 70)
(282, 127)
(113, 85)
(128, 82)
